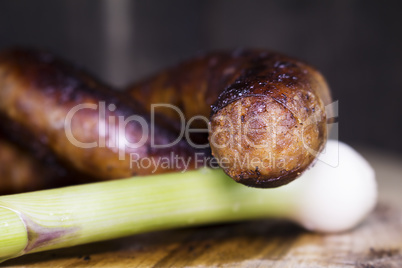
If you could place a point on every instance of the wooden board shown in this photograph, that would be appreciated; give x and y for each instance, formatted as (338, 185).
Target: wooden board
(377, 242)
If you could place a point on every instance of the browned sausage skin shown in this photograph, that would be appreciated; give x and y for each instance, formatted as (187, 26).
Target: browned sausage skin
(23, 170)
(266, 123)
(266, 110)
(19, 171)
(40, 98)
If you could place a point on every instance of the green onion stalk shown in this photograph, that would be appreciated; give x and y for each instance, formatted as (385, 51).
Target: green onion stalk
(324, 199)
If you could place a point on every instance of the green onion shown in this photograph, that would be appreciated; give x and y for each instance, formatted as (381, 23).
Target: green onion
(325, 198)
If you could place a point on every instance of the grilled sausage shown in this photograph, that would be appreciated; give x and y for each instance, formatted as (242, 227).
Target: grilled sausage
(47, 104)
(267, 120)
(22, 171)
(19, 171)
(266, 111)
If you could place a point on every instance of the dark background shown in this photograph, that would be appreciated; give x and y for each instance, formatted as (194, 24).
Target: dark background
(357, 45)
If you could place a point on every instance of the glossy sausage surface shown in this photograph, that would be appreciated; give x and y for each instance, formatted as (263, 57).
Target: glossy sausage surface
(266, 111)
(266, 114)
(50, 105)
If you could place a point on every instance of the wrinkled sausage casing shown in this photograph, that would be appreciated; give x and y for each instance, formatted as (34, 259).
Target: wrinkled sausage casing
(52, 105)
(267, 118)
(266, 115)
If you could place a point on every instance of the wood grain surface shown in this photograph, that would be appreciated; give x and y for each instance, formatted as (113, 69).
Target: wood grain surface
(377, 242)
